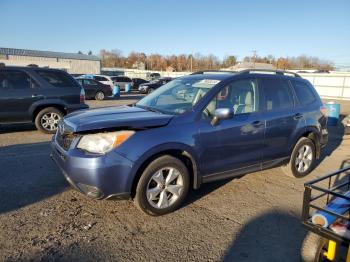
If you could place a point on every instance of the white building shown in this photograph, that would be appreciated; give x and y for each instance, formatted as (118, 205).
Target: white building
(250, 65)
(70, 62)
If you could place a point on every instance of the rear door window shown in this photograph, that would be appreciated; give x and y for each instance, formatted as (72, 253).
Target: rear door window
(277, 93)
(57, 78)
(13, 79)
(90, 82)
(304, 93)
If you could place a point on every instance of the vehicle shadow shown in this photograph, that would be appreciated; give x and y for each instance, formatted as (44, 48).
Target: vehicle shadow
(27, 176)
(206, 189)
(11, 128)
(272, 236)
(335, 138)
(84, 252)
(340, 179)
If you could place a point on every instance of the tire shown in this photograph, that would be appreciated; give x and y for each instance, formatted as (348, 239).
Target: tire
(150, 90)
(47, 120)
(99, 96)
(312, 248)
(154, 198)
(306, 163)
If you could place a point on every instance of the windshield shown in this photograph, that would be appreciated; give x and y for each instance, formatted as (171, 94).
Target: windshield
(177, 96)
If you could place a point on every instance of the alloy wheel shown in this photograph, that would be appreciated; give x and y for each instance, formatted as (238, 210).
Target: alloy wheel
(100, 96)
(165, 187)
(49, 121)
(304, 158)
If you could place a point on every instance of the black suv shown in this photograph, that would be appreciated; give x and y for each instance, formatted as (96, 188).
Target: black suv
(38, 95)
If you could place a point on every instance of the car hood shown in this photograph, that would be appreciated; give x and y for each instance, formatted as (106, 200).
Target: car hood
(114, 118)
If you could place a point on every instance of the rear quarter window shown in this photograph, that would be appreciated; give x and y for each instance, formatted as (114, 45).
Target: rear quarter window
(304, 93)
(57, 78)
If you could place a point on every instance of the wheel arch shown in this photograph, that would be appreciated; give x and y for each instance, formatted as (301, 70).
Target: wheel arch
(38, 107)
(313, 134)
(180, 152)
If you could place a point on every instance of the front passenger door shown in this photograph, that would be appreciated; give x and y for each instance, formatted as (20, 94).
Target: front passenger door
(235, 145)
(18, 91)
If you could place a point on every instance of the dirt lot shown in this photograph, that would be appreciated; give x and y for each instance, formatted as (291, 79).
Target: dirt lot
(254, 218)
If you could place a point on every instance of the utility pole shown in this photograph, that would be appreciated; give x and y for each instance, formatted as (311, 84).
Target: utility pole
(191, 61)
(254, 57)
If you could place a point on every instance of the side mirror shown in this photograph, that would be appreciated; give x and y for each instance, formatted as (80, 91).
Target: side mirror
(220, 114)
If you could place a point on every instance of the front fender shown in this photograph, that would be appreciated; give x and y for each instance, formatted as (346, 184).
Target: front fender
(187, 150)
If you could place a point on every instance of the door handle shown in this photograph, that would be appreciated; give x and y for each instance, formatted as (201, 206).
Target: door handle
(258, 123)
(297, 116)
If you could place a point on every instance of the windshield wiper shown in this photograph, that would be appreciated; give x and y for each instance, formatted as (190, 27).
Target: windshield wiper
(148, 108)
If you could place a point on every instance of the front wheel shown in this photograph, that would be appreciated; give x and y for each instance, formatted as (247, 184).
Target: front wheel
(99, 96)
(302, 160)
(313, 248)
(150, 90)
(47, 120)
(163, 186)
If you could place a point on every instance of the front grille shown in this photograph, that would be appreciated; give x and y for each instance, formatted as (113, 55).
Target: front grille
(64, 141)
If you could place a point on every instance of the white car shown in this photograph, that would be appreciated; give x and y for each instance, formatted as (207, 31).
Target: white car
(107, 80)
(112, 81)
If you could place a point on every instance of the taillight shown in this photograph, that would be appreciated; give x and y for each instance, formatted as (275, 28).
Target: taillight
(323, 111)
(82, 96)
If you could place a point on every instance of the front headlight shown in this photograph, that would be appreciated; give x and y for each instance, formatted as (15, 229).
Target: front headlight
(102, 143)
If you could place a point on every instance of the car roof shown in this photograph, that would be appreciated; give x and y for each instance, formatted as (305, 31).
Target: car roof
(29, 68)
(220, 77)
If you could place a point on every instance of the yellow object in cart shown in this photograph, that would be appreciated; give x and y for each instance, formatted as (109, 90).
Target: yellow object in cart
(330, 254)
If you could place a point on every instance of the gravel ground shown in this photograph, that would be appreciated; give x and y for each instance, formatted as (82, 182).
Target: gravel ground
(254, 218)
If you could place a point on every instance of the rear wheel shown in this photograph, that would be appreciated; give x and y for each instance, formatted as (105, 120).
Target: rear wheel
(47, 120)
(313, 248)
(163, 186)
(99, 96)
(302, 160)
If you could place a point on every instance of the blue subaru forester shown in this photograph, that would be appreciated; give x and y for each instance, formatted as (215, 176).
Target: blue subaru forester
(193, 130)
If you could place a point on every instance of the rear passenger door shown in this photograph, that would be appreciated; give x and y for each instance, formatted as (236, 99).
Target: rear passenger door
(18, 91)
(282, 119)
(90, 87)
(59, 86)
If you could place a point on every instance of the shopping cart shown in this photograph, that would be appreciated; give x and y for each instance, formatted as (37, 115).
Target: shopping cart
(324, 242)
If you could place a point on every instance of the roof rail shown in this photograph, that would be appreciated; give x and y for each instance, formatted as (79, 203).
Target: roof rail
(277, 72)
(212, 72)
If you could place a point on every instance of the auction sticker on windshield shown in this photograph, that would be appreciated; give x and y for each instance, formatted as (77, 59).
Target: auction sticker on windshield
(206, 83)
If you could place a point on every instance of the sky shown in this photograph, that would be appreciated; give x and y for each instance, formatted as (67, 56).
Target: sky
(221, 27)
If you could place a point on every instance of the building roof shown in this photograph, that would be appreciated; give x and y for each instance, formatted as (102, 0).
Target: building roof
(37, 53)
(251, 65)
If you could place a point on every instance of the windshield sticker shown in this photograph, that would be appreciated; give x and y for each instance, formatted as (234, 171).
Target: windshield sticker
(209, 81)
(206, 83)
